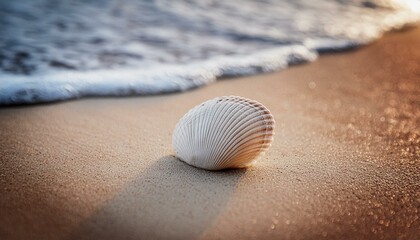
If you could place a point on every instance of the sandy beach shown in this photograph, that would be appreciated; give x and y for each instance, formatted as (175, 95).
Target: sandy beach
(344, 164)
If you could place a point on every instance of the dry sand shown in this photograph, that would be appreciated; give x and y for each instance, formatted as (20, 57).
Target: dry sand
(344, 163)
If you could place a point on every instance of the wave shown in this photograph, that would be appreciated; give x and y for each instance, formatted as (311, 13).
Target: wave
(53, 51)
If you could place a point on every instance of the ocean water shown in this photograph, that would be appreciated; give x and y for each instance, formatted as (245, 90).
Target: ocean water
(58, 50)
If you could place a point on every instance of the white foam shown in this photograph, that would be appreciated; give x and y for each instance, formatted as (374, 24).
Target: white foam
(159, 79)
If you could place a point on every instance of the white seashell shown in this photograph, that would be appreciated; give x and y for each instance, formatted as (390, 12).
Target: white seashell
(224, 132)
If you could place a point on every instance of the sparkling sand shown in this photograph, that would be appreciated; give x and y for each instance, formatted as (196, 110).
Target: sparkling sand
(344, 163)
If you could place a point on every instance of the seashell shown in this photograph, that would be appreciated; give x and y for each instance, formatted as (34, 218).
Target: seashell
(224, 132)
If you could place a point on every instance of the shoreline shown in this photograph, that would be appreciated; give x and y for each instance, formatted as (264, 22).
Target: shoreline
(58, 86)
(344, 162)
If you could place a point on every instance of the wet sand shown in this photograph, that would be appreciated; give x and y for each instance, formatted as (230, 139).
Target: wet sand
(345, 162)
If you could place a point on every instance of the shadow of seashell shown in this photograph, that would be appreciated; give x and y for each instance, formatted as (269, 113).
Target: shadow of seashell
(169, 200)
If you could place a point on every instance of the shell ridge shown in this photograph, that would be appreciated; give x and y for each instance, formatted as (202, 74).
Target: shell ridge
(219, 109)
(176, 141)
(222, 124)
(191, 121)
(231, 120)
(204, 126)
(257, 132)
(241, 155)
(239, 127)
(186, 129)
(250, 137)
(251, 120)
(191, 141)
(210, 134)
(250, 149)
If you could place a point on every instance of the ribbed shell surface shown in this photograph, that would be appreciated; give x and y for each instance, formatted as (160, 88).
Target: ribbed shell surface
(225, 132)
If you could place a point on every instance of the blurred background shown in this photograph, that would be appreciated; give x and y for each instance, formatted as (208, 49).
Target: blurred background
(148, 47)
